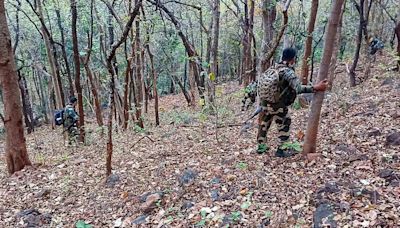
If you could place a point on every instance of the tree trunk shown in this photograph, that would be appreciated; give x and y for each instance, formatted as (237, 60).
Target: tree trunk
(268, 19)
(126, 92)
(112, 73)
(139, 78)
(214, 51)
(15, 149)
(77, 72)
(26, 103)
(49, 43)
(332, 66)
(313, 121)
(64, 53)
(352, 71)
(155, 92)
(397, 31)
(309, 40)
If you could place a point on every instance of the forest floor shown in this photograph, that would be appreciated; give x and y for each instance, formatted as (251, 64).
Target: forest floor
(181, 175)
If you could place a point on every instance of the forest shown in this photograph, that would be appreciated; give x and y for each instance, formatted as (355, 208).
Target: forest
(159, 113)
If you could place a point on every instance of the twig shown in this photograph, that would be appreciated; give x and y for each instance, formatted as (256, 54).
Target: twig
(141, 140)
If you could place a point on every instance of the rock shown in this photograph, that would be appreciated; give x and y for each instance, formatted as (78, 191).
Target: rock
(187, 177)
(150, 203)
(323, 216)
(187, 205)
(112, 180)
(33, 218)
(387, 81)
(330, 187)
(373, 196)
(214, 195)
(393, 139)
(374, 132)
(389, 175)
(43, 193)
(140, 220)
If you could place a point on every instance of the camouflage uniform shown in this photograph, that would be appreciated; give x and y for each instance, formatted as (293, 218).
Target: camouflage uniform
(291, 86)
(250, 92)
(70, 128)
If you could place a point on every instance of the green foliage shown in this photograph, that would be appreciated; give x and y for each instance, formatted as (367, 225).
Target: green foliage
(236, 215)
(241, 165)
(268, 214)
(291, 146)
(82, 224)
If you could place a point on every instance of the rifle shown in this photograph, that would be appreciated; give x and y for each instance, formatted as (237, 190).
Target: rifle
(258, 110)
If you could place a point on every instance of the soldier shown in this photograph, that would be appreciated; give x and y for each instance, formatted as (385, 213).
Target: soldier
(250, 93)
(70, 122)
(287, 86)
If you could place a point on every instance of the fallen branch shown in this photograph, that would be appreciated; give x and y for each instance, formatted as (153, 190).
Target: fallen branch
(141, 140)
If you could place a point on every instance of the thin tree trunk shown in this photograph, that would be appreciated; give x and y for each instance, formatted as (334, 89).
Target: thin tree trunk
(397, 31)
(49, 50)
(352, 71)
(77, 72)
(268, 19)
(309, 40)
(139, 78)
(15, 147)
(26, 103)
(313, 121)
(64, 53)
(214, 51)
(112, 73)
(336, 48)
(154, 75)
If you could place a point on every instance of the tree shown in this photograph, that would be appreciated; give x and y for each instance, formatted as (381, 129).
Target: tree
(16, 154)
(309, 40)
(268, 19)
(111, 70)
(77, 71)
(214, 50)
(313, 121)
(397, 31)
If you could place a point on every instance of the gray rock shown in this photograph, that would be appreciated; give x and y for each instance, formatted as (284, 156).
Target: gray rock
(214, 195)
(140, 220)
(374, 132)
(393, 139)
(33, 218)
(187, 205)
(323, 216)
(112, 180)
(330, 187)
(187, 177)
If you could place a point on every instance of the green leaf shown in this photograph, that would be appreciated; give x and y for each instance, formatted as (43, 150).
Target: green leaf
(212, 76)
(245, 205)
(82, 224)
(268, 214)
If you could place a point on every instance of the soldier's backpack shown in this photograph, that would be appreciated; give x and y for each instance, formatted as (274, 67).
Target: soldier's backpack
(270, 86)
(59, 117)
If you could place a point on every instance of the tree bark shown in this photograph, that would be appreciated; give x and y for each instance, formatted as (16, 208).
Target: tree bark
(397, 31)
(26, 103)
(154, 76)
(77, 72)
(111, 70)
(49, 43)
(268, 19)
(15, 147)
(64, 53)
(309, 40)
(313, 121)
(214, 51)
(332, 66)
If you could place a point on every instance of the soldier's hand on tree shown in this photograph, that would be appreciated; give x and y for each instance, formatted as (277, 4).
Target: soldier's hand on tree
(321, 86)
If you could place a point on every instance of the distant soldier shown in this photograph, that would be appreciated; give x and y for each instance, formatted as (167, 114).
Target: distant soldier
(250, 93)
(375, 45)
(70, 122)
(277, 89)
